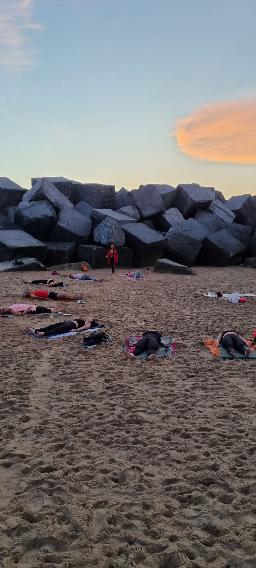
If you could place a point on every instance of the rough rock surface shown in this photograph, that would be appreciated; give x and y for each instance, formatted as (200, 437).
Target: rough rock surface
(109, 231)
(71, 226)
(97, 195)
(166, 265)
(15, 244)
(222, 249)
(21, 265)
(241, 232)
(59, 253)
(184, 241)
(84, 208)
(98, 215)
(131, 211)
(147, 244)
(192, 196)
(244, 207)
(167, 192)
(10, 192)
(222, 211)
(36, 217)
(168, 219)
(149, 201)
(123, 197)
(210, 220)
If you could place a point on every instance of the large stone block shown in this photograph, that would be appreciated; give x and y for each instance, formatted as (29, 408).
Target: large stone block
(210, 220)
(96, 256)
(168, 219)
(21, 265)
(222, 249)
(123, 197)
(222, 211)
(252, 246)
(184, 241)
(5, 223)
(98, 215)
(167, 192)
(10, 192)
(15, 244)
(64, 185)
(241, 232)
(97, 195)
(165, 265)
(250, 262)
(192, 196)
(109, 231)
(130, 211)
(43, 189)
(9, 212)
(84, 208)
(59, 253)
(149, 201)
(71, 226)
(147, 244)
(244, 207)
(36, 217)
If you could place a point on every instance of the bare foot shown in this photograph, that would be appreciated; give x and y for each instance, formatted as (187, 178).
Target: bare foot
(152, 357)
(129, 355)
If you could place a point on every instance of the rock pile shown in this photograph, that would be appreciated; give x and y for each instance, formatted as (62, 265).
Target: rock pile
(59, 221)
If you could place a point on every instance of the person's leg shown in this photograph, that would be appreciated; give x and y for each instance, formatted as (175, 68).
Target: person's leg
(56, 328)
(113, 264)
(240, 345)
(67, 297)
(227, 343)
(38, 281)
(153, 346)
(141, 346)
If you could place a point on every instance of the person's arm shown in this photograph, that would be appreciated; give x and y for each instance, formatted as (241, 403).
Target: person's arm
(15, 313)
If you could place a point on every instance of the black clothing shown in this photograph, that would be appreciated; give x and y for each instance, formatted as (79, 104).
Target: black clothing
(56, 328)
(48, 282)
(232, 341)
(79, 322)
(113, 263)
(53, 296)
(150, 342)
(42, 310)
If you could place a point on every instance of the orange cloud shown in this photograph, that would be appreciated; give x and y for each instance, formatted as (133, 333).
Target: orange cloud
(220, 132)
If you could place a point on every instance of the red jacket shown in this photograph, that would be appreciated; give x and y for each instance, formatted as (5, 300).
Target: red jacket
(110, 255)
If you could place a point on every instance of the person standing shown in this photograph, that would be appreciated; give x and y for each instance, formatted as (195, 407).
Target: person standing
(112, 257)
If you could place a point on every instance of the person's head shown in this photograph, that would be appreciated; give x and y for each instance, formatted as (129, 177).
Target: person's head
(4, 311)
(26, 294)
(219, 294)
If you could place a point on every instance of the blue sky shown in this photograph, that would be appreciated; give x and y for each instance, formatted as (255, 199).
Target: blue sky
(94, 89)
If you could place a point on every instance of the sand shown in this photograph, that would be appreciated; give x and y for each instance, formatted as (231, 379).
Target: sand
(112, 463)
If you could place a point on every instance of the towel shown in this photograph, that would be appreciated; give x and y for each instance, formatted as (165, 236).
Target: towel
(212, 345)
(163, 352)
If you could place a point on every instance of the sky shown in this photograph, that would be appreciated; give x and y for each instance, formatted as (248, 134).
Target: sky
(129, 92)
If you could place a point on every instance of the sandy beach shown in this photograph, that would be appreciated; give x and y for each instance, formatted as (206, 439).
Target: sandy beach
(110, 463)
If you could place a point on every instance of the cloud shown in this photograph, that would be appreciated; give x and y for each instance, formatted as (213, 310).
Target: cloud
(220, 132)
(15, 25)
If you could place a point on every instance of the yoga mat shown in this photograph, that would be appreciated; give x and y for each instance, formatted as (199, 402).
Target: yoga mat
(225, 355)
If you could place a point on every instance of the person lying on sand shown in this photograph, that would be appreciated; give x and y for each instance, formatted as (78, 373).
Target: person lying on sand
(232, 342)
(82, 276)
(49, 282)
(45, 295)
(23, 309)
(62, 327)
(150, 342)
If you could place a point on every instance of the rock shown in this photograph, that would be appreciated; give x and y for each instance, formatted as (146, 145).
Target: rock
(10, 192)
(241, 232)
(4, 222)
(59, 253)
(147, 244)
(244, 207)
(222, 211)
(96, 256)
(36, 217)
(149, 223)
(222, 249)
(167, 192)
(252, 245)
(168, 219)
(97, 195)
(123, 198)
(15, 244)
(84, 208)
(109, 231)
(45, 190)
(9, 212)
(21, 264)
(166, 265)
(71, 226)
(219, 195)
(149, 201)
(250, 262)
(210, 220)
(99, 215)
(192, 196)
(184, 241)
(131, 211)
(64, 185)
